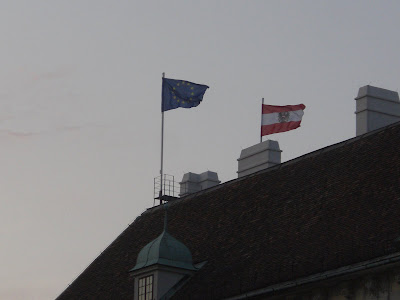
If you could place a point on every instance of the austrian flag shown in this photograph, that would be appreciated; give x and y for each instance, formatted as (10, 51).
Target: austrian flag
(280, 118)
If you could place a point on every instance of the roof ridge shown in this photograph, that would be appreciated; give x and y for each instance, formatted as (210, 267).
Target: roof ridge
(281, 165)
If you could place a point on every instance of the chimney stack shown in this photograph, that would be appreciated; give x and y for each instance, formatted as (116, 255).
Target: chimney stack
(192, 182)
(376, 108)
(259, 157)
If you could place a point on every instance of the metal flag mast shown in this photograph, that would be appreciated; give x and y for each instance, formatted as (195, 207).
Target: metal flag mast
(162, 149)
(262, 105)
(174, 93)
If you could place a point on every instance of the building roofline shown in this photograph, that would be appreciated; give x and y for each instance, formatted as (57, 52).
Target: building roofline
(282, 165)
(347, 270)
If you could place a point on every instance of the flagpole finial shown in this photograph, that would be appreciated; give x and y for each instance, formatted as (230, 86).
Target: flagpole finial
(163, 74)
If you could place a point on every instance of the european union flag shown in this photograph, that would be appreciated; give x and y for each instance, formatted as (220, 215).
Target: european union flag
(181, 93)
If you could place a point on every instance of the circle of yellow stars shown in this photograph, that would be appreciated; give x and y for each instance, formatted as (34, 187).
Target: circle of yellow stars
(182, 83)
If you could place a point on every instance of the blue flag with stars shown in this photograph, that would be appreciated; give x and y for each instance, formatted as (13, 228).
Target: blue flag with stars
(181, 93)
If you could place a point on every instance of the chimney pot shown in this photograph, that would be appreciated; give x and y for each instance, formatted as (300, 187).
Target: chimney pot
(259, 157)
(192, 182)
(376, 108)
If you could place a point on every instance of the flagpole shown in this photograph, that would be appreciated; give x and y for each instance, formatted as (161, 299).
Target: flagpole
(162, 149)
(262, 105)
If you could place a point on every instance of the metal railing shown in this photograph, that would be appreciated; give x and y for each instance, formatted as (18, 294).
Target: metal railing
(170, 187)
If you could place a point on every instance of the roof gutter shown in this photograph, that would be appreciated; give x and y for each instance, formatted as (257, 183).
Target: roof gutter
(377, 262)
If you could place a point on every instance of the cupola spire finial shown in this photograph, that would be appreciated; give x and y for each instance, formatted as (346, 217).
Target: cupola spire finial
(166, 217)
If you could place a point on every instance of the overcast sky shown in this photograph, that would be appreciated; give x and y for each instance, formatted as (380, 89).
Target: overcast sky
(80, 86)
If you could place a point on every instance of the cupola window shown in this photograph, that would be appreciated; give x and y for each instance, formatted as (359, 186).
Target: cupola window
(146, 288)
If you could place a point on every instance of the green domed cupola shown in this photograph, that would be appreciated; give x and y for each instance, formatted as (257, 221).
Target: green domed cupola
(165, 250)
(162, 267)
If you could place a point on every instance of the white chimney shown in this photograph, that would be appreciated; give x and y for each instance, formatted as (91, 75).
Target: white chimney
(259, 157)
(192, 182)
(376, 108)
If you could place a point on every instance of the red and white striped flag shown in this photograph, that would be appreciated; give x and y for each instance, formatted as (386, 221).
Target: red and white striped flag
(280, 118)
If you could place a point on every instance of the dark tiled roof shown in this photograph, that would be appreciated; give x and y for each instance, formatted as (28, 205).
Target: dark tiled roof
(322, 211)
